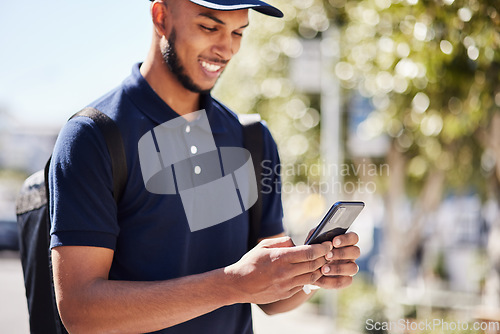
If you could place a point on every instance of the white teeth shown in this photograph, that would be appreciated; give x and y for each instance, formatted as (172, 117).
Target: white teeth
(210, 67)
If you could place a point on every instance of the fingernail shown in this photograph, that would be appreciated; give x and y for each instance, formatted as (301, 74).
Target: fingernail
(326, 269)
(329, 255)
(337, 242)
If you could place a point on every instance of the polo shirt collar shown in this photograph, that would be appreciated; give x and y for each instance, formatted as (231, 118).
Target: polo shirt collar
(149, 103)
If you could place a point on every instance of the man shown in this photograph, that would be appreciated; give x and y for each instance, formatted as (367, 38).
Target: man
(137, 266)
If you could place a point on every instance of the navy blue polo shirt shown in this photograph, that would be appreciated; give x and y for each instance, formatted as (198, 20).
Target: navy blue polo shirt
(149, 232)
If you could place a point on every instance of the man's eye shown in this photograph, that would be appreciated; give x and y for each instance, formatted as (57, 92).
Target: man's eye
(240, 34)
(207, 28)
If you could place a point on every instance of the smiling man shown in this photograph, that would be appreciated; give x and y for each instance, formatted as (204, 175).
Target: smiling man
(135, 266)
(210, 62)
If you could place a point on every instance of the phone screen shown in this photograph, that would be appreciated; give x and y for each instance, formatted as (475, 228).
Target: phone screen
(338, 219)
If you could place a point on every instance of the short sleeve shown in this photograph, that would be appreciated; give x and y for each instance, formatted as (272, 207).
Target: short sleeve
(82, 208)
(272, 208)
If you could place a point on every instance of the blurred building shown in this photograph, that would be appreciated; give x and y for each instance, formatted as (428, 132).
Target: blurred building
(24, 147)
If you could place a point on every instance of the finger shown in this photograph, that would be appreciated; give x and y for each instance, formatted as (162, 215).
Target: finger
(344, 240)
(289, 292)
(343, 253)
(295, 290)
(308, 278)
(304, 253)
(277, 242)
(334, 282)
(309, 234)
(300, 268)
(340, 269)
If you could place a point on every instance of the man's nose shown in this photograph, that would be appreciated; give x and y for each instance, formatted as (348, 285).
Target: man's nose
(225, 47)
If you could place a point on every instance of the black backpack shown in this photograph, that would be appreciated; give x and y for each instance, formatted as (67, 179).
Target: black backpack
(34, 221)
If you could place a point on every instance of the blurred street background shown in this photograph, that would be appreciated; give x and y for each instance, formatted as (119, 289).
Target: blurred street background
(392, 102)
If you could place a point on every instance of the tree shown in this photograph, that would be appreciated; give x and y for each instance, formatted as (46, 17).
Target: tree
(431, 69)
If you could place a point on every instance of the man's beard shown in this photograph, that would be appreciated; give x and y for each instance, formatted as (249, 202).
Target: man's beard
(170, 56)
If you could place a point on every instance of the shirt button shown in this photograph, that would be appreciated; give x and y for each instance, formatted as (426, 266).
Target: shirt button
(194, 149)
(197, 170)
(188, 129)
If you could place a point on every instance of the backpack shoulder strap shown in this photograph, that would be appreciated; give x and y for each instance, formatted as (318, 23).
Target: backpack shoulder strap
(114, 142)
(254, 142)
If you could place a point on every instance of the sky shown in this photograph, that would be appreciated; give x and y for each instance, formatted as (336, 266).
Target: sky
(58, 56)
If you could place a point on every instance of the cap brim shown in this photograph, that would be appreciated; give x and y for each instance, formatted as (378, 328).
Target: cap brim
(257, 5)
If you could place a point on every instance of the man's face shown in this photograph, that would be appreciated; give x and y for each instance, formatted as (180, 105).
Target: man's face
(201, 43)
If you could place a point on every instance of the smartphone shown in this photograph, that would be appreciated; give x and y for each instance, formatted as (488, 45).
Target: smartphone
(336, 222)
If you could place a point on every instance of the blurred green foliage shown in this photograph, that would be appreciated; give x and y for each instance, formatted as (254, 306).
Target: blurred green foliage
(360, 310)
(357, 304)
(431, 69)
(258, 81)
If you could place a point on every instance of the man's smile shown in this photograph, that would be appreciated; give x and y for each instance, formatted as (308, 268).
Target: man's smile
(210, 66)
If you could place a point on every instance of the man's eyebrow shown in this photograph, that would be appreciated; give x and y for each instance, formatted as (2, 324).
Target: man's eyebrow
(216, 19)
(212, 17)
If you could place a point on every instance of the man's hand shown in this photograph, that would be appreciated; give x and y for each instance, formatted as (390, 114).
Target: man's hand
(341, 264)
(276, 269)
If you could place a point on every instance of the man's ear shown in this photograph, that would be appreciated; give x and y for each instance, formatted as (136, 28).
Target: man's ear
(160, 14)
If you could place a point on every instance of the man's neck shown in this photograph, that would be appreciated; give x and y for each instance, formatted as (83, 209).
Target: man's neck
(168, 88)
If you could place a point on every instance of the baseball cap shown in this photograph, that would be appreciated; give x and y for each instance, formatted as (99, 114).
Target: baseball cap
(257, 5)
